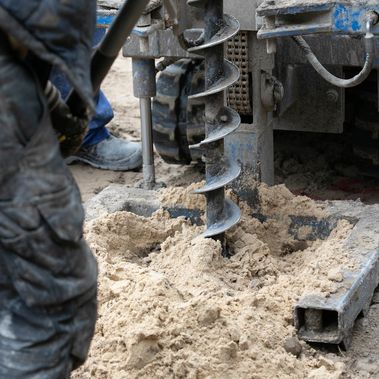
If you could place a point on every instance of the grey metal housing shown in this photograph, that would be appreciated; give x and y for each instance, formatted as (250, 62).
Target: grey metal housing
(276, 91)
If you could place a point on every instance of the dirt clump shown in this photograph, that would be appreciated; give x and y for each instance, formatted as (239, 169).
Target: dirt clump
(129, 238)
(182, 196)
(170, 306)
(280, 201)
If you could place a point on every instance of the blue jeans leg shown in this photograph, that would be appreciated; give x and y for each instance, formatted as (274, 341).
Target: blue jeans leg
(104, 114)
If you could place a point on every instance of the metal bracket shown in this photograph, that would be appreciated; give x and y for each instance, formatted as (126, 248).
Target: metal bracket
(308, 17)
(331, 319)
(105, 17)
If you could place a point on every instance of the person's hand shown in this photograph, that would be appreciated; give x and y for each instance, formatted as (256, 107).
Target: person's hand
(70, 129)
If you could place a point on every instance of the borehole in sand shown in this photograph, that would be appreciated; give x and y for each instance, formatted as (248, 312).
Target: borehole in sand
(184, 311)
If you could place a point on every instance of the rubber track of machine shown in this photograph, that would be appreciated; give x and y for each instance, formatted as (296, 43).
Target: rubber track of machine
(220, 121)
(166, 113)
(177, 124)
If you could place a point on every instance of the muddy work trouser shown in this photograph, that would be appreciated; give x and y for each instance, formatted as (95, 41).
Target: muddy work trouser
(47, 272)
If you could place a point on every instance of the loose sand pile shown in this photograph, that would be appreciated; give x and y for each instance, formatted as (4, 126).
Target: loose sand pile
(172, 196)
(171, 306)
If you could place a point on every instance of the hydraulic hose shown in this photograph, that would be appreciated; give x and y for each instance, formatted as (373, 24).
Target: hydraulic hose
(329, 77)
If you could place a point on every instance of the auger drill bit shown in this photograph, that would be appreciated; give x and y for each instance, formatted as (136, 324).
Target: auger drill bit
(220, 121)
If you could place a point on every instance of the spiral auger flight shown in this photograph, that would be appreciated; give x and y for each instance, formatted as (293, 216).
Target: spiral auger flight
(220, 120)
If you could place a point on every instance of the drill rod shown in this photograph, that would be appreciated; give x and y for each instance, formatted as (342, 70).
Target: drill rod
(147, 143)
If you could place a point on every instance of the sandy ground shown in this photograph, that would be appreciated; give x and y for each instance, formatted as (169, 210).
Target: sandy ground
(362, 359)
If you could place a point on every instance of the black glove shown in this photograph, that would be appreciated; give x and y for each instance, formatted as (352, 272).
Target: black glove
(70, 129)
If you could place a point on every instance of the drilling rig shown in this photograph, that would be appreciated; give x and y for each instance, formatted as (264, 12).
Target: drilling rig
(232, 72)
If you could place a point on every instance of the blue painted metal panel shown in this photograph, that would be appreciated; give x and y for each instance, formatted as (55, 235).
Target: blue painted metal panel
(351, 20)
(105, 18)
(336, 18)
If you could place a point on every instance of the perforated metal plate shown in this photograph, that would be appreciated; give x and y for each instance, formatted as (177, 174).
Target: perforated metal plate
(239, 95)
